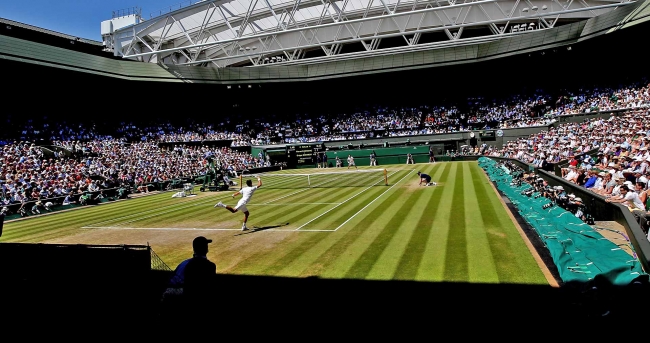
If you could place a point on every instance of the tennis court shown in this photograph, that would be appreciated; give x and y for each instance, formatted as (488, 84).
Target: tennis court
(348, 224)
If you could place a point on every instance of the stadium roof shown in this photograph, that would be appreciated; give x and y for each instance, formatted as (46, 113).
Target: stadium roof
(220, 33)
(49, 32)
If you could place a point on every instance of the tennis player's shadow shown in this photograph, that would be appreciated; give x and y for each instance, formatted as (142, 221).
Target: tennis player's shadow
(257, 229)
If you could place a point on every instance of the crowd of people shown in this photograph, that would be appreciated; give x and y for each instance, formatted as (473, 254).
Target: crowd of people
(476, 113)
(28, 175)
(617, 166)
(106, 154)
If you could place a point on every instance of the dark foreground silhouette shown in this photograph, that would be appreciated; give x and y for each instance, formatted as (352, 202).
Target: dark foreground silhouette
(78, 288)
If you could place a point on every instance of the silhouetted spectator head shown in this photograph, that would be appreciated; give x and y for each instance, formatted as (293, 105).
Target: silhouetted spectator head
(200, 245)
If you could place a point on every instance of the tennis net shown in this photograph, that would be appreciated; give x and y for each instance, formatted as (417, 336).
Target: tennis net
(352, 178)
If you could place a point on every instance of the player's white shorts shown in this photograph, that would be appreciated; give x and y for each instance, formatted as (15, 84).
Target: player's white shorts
(241, 206)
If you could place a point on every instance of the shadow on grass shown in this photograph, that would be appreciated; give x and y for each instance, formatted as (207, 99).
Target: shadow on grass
(262, 228)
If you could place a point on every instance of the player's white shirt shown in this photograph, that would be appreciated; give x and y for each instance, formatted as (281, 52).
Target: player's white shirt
(247, 193)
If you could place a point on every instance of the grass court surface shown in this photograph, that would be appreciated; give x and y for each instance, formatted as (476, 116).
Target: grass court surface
(457, 231)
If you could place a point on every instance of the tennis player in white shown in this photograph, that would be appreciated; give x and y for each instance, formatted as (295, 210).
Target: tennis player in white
(351, 162)
(247, 194)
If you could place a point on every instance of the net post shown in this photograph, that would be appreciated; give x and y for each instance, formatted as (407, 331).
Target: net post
(241, 180)
(386, 177)
(308, 181)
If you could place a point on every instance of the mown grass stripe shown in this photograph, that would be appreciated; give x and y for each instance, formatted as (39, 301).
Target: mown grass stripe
(364, 264)
(261, 264)
(335, 252)
(433, 261)
(410, 261)
(300, 214)
(112, 210)
(340, 214)
(505, 260)
(282, 266)
(481, 267)
(456, 261)
(338, 268)
(33, 228)
(315, 255)
(193, 213)
(170, 216)
(514, 263)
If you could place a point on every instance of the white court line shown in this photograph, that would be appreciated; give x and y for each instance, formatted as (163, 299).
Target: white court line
(296, 203)
(370, 203)
(352, 197)
(192, 229)
(282, 197)
(163, 228)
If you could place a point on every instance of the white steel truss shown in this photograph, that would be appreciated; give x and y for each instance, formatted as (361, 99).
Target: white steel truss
(220, 33)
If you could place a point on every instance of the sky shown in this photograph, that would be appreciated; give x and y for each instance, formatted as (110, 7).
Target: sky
(80, 18)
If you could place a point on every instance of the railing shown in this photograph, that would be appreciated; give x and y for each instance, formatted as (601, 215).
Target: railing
(174, 7)
(127, 11)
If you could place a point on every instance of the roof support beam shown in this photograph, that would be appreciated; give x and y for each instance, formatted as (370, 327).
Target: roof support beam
(333, 27)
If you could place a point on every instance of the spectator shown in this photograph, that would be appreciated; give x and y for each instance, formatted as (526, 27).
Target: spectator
(3, 213)
(196, 275)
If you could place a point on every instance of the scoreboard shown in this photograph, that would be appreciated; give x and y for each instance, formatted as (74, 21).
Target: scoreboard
(303, 154)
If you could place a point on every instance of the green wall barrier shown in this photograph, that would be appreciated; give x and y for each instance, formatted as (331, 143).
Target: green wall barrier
(381, 152)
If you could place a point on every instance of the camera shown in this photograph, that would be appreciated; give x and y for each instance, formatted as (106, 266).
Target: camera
(547, 206)
(528, 192)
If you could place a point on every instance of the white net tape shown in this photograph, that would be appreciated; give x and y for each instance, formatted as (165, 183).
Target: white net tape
(351, 178)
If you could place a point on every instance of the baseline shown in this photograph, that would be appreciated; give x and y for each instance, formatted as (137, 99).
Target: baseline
(191, 229)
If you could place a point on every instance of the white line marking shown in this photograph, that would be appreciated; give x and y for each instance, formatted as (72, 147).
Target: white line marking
(370, 203)
(193, 229)
(297, 203)
(282, 197)
(156, 228)
(352, 197)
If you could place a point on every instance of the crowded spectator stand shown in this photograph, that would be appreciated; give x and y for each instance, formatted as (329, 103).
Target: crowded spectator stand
(75, 158)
